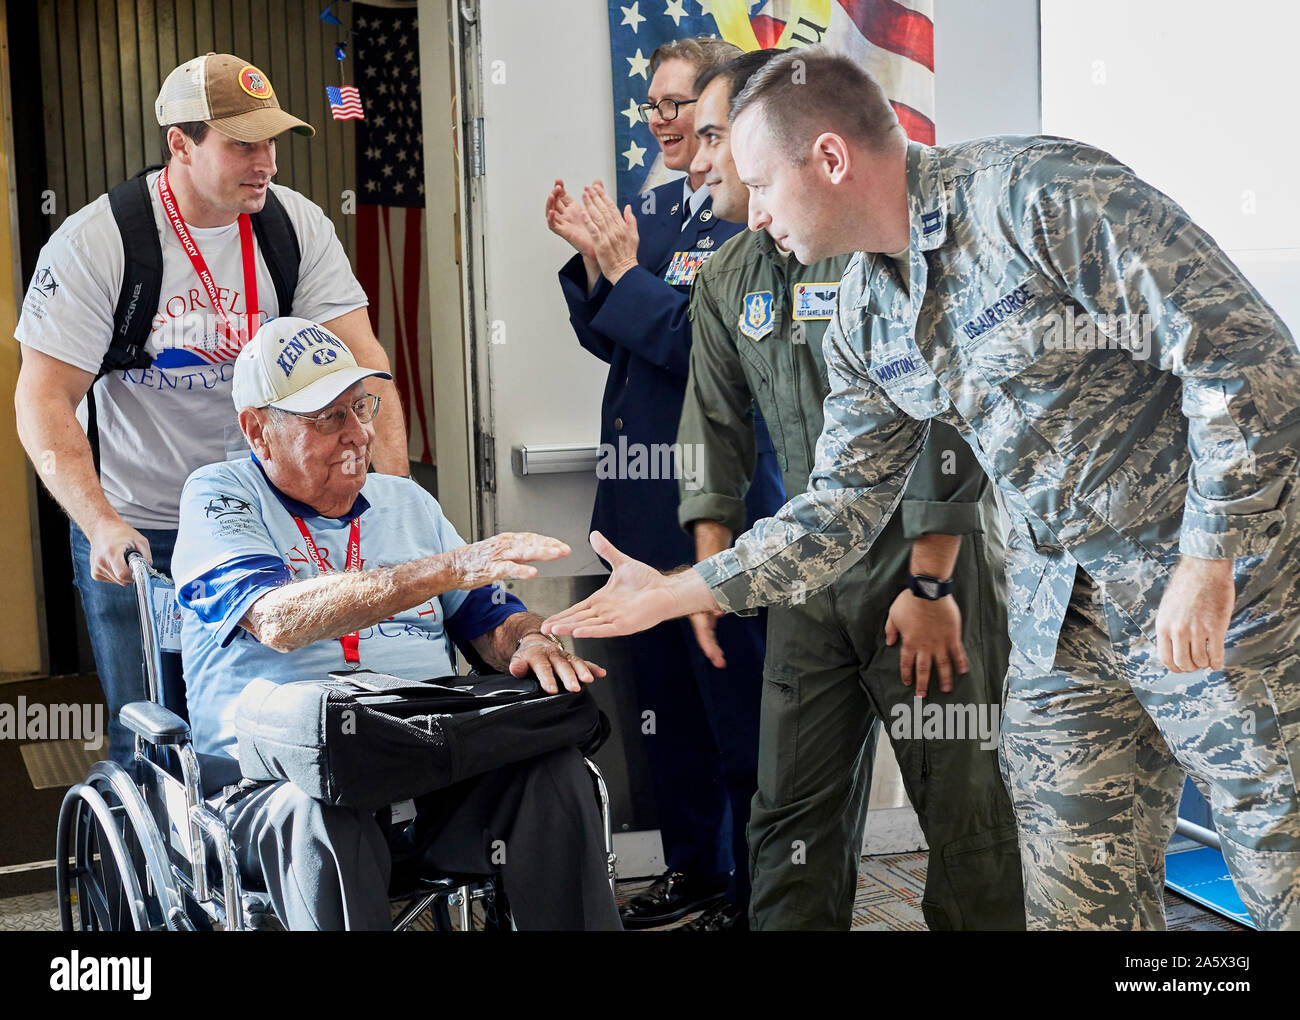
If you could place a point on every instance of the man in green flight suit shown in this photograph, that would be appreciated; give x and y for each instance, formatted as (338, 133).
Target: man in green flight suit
(847, 656)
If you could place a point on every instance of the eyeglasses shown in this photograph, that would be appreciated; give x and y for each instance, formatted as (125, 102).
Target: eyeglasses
(668, 108)
(329, 422)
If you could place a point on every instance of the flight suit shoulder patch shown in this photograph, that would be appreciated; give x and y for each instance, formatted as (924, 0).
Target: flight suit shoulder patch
(756, 314)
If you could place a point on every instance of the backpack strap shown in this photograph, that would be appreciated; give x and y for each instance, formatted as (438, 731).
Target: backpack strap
(137, 300)
(92, 427)
(279, 246)
(142, 272)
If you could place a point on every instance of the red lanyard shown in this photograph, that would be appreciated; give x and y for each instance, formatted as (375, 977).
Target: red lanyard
(236, 337)
(350, 642)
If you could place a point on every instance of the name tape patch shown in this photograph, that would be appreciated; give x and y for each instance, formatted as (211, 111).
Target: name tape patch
(891, 370)
(995, 313)
(815, 300)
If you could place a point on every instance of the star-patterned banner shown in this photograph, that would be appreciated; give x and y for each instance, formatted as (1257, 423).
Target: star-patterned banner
(893, 39)
(390, 147)
(390, 249)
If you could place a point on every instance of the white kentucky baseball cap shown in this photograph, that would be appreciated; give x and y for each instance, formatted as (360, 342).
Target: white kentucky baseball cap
(296, 365)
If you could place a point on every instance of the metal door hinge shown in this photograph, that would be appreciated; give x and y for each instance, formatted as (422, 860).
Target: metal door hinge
(487, 462)
(477, 156)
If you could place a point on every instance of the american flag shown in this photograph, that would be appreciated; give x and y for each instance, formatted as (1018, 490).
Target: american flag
(390, 210)
(892, 39)
(345, 102)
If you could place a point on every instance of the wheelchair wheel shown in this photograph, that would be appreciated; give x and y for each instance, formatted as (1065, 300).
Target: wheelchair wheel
(112, 865)
(496, 910)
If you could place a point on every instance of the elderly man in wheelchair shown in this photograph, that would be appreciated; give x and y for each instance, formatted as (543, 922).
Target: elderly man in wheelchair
(294, 563)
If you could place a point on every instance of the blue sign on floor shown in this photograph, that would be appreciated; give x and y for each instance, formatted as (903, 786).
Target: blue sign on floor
(1202, 877)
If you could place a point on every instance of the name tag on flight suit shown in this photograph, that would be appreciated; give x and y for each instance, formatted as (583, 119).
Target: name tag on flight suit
(685, 264)
(815, 300)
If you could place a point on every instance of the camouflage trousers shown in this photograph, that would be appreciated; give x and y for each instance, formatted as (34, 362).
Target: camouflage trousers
(1094, 754)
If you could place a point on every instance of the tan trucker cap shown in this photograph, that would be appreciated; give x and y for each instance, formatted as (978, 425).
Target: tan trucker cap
(228, 94)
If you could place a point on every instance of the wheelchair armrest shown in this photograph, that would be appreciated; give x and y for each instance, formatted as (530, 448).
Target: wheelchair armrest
(158, 725)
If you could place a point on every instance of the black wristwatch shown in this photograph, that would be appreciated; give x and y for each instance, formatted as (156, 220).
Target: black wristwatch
(929, 588)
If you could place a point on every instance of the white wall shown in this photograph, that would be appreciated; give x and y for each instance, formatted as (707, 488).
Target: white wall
(1199, 100)
(985, 68)
(550, 118)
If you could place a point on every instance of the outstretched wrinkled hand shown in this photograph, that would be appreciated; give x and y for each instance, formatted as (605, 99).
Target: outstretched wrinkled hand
(635, 598)
(503, 556)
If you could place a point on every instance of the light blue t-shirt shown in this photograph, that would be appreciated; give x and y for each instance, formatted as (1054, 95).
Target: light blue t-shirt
(237, 540)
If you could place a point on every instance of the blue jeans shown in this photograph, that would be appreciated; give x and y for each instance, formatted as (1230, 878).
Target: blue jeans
(114, 627)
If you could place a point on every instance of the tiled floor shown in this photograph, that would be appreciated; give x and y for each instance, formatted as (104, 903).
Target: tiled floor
(32, 912)
(888, 899)
(889, 892)
(34, 774)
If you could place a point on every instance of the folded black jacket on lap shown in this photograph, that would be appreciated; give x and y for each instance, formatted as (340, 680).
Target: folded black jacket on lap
(364, 739)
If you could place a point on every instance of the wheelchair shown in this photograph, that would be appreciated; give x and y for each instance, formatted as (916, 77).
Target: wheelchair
(145, 849)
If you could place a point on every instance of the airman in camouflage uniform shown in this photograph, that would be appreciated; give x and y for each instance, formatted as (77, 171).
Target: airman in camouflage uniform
(1134, 399)
(829, 673)
(1138, 405)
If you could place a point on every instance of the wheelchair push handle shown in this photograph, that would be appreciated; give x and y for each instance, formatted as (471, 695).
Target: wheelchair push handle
(144, 578)
(139, 568)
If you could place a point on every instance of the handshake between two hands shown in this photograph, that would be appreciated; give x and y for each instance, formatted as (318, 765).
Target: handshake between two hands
(1191, 624)
(627, 603)
(635, 598)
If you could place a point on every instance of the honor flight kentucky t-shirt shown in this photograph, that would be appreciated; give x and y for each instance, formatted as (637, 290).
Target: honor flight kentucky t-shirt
(158, 424)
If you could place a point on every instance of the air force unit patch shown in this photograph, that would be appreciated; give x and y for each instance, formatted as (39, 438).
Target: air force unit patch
(756, 318)
(815, 300)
